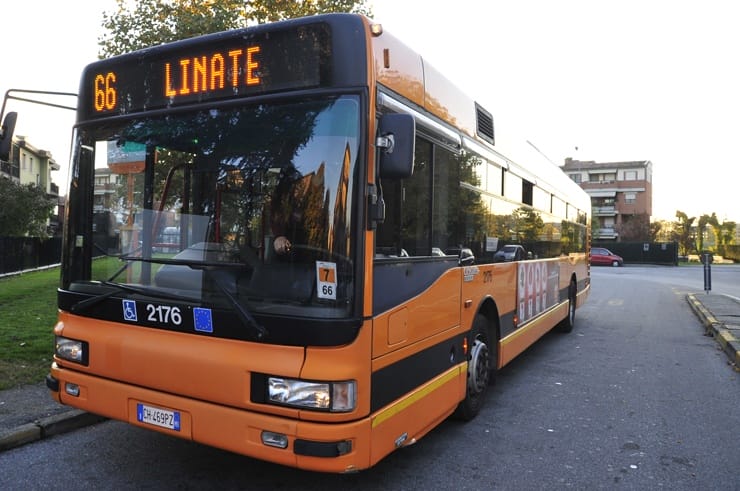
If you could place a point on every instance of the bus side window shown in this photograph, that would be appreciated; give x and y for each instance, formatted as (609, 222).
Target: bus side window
(387, 234)
(405, 232)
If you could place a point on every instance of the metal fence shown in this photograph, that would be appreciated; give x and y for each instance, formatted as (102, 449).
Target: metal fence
(22, 253)
(643, 252)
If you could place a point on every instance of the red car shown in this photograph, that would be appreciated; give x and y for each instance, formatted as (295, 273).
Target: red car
(601, 256)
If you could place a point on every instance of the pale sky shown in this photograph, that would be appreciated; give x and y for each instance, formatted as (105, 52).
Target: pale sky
(650, 80)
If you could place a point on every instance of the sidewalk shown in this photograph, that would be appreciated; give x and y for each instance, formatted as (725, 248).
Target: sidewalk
(720, 315)
(28, 414)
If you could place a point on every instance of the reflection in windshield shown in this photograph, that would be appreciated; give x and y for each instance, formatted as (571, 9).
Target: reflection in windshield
(254, 200)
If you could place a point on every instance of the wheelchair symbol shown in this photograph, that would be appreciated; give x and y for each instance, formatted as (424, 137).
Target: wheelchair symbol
(129, 310)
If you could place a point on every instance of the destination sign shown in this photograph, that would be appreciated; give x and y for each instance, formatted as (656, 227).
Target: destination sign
(219, 67)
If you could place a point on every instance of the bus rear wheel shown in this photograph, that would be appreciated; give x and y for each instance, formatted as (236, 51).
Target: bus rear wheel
(480, 370)
(566, 325)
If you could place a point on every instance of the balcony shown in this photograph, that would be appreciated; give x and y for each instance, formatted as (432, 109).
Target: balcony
(605, 233)
(604, 211)
(109, 188)
(11, 169)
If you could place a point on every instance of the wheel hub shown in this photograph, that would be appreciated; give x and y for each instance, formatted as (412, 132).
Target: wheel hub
(478, 368)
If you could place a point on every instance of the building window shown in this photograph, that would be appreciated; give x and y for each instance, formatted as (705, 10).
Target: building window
(576, 177)
(630, 175)
(630, 198)
(602, 177)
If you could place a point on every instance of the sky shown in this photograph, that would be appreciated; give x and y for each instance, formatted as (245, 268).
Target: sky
(607, 81)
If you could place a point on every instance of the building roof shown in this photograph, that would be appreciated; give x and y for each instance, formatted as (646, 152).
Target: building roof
(572, 164)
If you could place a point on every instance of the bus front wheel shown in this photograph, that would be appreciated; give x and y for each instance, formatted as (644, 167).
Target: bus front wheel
(480, 366)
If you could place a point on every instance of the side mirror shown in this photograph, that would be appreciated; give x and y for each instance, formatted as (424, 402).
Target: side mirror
(466, 258)
(396, 140)
(6, 134)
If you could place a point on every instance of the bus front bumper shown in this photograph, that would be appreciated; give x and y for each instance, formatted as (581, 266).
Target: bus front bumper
(324, 447)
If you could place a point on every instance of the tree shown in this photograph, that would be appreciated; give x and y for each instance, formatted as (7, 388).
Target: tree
(659, 230)
(716, 229)
(24, 209)
(682, 232)
(726, 232)
(272, 10)
(705, 220)
(144, 23)
(529, 225)
(635, 228)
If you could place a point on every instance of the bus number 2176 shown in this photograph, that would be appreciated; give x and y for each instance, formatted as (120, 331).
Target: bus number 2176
(164, 314)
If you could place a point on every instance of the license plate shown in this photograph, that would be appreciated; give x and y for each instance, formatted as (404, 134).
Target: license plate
(157, 416)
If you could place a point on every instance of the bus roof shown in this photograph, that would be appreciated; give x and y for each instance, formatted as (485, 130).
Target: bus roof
(406, 73)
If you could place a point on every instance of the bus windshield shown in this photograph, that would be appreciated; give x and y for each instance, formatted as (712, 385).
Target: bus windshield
(248, 205)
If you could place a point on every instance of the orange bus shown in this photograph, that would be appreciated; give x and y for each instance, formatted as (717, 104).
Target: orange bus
(300, 243)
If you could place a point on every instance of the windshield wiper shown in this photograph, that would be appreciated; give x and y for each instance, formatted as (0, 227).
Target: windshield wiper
(119, 256)
(258, 331)
(216, 270)
(203, 265)
(118, 288)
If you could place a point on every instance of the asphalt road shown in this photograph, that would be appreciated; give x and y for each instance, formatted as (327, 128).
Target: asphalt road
(636, 397)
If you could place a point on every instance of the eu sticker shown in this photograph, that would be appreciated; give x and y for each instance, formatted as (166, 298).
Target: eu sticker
(326, 280)
(129, 311)
(202, 319)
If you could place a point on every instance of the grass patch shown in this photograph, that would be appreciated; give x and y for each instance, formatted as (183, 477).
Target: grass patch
(28, 312)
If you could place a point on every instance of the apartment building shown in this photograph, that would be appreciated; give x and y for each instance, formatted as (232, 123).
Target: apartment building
(31, 165)
(28, 164)
(106, 184)
(621, 195)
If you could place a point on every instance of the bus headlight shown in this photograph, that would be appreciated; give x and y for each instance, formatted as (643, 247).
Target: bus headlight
(327, 396)
(71, 350)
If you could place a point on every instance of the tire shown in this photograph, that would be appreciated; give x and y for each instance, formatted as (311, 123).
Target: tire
(616, 264)
(482, 361)
(567, 324)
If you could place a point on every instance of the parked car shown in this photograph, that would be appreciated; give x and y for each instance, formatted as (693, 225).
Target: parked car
(601, 256)
(511, 252)
(465, 255)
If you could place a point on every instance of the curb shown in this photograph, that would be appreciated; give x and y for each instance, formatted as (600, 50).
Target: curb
(47, 427)
(731, 345)
(713, 327)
